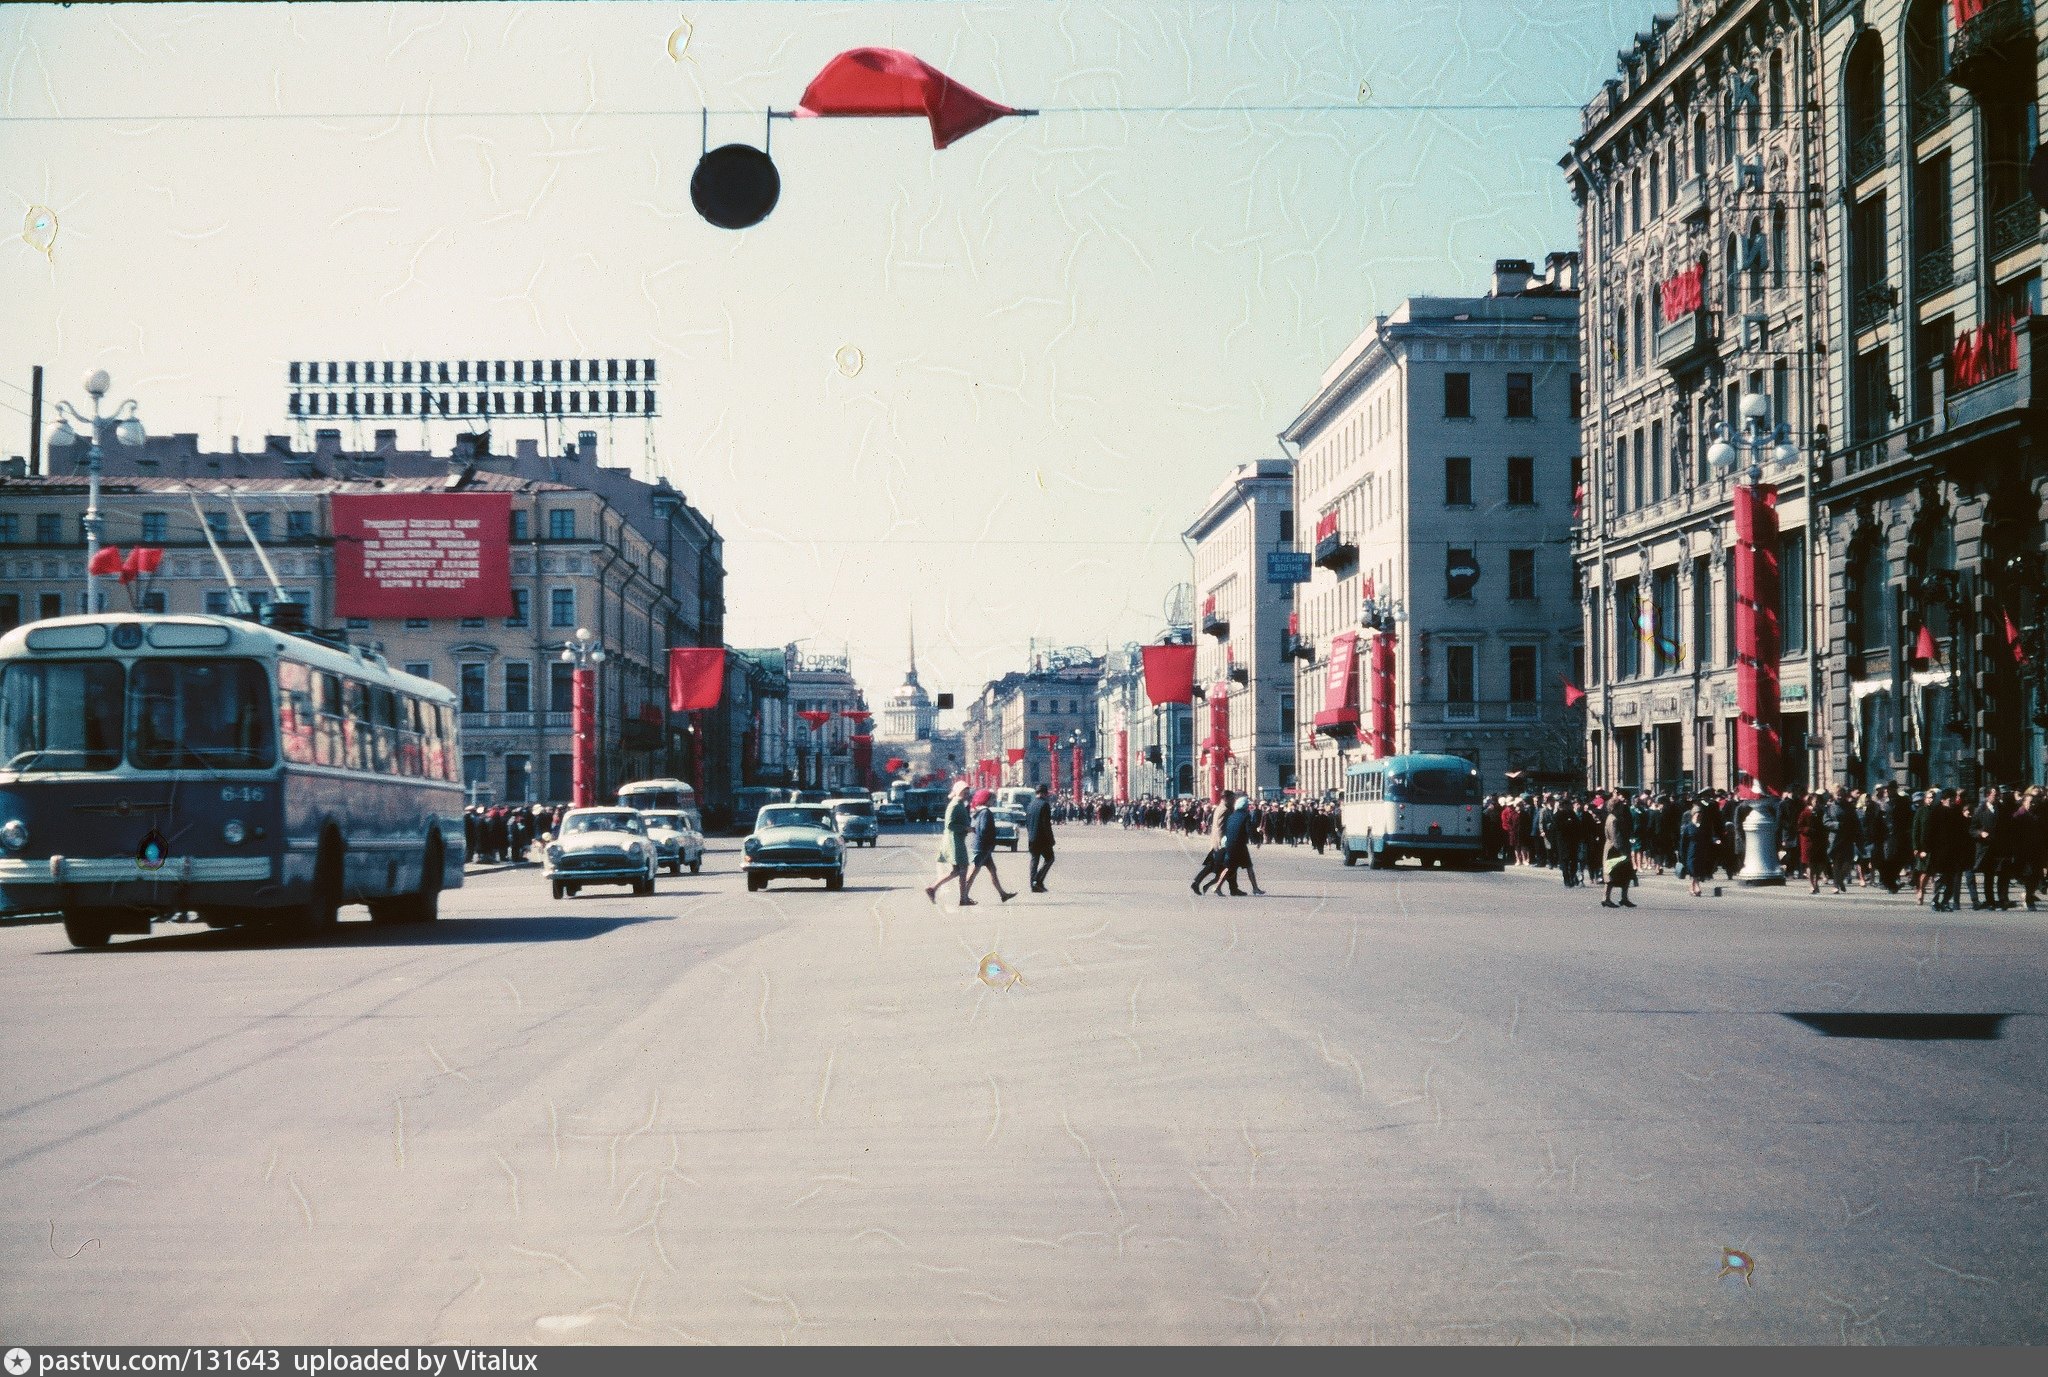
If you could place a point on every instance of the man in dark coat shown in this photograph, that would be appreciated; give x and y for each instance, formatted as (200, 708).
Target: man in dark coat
(1838, 820)
(1237, 851)
(1984, 863)
(1038, 827)
(1897, 850)
(1948, 849)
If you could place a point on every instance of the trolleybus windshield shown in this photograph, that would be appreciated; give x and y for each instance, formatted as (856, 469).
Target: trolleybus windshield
(60, 715)
(200, 714)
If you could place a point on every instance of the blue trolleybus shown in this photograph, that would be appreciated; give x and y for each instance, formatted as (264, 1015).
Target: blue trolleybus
(153, 765)
(1425, 806)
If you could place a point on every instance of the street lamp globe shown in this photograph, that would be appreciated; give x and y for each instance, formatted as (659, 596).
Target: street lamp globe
(97, 382)
(1787, 452)
(130, 433)
(1755, 406)
(583, 634)
(1721, 454)
(597, 657)
(568, 656)
(62, 436)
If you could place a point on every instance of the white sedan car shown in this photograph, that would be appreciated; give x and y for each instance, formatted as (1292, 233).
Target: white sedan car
(601, 846)
(680, 840)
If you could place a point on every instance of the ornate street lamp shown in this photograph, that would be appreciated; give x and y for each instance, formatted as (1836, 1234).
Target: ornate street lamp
(127, 432)
(586, 655)
(1758, 746)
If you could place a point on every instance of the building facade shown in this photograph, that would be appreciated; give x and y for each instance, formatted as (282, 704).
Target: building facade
(1011, 719)
(1433, 491)
(1145, 751)
(1931, 528)
(830, 754)
(1696, 173)
(575, 563)
(757, 686)
(1242, 662)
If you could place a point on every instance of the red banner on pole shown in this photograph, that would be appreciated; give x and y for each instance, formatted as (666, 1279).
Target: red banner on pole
(1340, 685)
(1383, 692)
(1758, 748)
(1123, 765)
(816, 720)
(696, 678)
(1077, 774)
(583, 730)
(422, 554)
(1169, 673)
(1015, 754)
(886, 81)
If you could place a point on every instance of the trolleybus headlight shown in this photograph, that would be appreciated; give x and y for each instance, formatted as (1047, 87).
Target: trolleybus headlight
(13, 834)
(231, 832)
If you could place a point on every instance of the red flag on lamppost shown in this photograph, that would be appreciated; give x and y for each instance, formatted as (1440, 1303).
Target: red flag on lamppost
(105, 561)
(1924, 649)
(1573, 694)
(887, 81)
(2012, 640)
(696, 678)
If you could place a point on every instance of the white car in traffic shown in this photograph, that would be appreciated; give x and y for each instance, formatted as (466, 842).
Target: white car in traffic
(601, 846)
(678, 836)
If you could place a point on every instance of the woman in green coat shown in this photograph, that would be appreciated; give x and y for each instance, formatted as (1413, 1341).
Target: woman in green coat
(952, 844)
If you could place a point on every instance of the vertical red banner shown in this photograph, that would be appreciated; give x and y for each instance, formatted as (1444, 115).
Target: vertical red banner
(1219, 738)
(1759, 750)
(583, 726)
(1123, 765)
(1383, 689)
(1077, 774)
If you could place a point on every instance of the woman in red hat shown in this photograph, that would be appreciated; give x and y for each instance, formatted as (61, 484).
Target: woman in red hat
(983, 829)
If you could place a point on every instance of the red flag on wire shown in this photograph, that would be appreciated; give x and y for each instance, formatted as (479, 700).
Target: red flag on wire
(142, 562)
(885, 81)
(696, 678)
(106, 560)
(1169, 673)
(2012, 641)
(1924, 649)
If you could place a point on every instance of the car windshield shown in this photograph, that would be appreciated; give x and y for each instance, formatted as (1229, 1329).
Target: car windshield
(62, 715)
(1441, 785)
(859, 810)
(793, 817)
(676, 822)
(602, 822)
(200, 714)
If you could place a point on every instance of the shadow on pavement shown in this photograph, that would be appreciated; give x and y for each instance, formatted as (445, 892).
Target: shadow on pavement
(447, 932)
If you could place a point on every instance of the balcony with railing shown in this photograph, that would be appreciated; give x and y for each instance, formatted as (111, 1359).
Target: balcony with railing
(1929, 111)
(1685, 342)
(1992, 52)
(1990, 385)
(516, 721)
(1876, 454)
(2014, 226)
(1872, 305)
(1866, 152)
(1215, 621)
(1934, 271)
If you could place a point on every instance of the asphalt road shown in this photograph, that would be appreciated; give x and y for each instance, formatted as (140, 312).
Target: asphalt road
(1416, 1107)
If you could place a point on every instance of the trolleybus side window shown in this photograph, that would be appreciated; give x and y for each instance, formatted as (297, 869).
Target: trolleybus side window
(297, 718)
(201, 714)
(60, 715)
(331, 745)
(384, 731)
(360, 734)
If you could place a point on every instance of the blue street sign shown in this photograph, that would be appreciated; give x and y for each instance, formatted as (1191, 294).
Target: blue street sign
(1287, 566)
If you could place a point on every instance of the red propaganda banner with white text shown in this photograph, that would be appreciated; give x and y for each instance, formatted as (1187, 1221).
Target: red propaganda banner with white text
(422, 554)
(1169, 673)
(696, 678)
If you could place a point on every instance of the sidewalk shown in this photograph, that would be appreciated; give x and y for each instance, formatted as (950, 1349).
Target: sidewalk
(1794, 888)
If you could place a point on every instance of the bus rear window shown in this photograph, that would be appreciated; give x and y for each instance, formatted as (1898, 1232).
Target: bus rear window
(1435, 786)
(200, 714)
(62, 715)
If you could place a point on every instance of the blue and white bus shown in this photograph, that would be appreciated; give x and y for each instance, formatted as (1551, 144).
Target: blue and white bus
(153, 765)
(1425, 806)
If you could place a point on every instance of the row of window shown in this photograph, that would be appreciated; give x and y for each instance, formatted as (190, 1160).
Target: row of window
(515, 681)
(1461, 673)
(1519, 481)
(476, 779)
(1750, 257)
(345, 723)
(1650, 632)
(499, 370)
(1462, 573)
(1643, 474)
(448, 404)
(1519, 396)
(1630, 212)
(55, 528)
(220, 603)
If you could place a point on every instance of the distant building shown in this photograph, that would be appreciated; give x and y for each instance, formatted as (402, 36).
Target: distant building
(1246, 719)
(757, 684)
(827, 755)
(1145, 751)
(513, 689)
(1433, 491)
(1017, 713)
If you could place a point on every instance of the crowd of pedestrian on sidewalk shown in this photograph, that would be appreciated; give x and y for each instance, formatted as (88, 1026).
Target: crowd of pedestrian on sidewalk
(1938, 842)
(504, 835)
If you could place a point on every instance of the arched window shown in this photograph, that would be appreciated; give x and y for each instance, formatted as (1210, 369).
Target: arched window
(1672, 159)
(1642, 324)
(1863, 105)
(1656, 187)
(1870, 594)
(1635, 202)
(1774, 86)
(1752, 120)
(1699, 145)
(1621, 342)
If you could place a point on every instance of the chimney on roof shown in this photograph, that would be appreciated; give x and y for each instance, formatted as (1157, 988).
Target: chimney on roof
(1511, 276)
(586, 446)
(1561, 270)
(327, 443)
(387, 441)
(15, 467)
(526, 450)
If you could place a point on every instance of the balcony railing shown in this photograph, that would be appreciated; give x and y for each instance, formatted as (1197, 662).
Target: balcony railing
(516, 721)
(1461, 712)
(1930, 111)
(1934, 271)
(1881, 451)
(1996, 388)
(1688, 340)
(2014, 226)
(1872, 306)
(1691, 200)
(1993, 48)
(1866, 152)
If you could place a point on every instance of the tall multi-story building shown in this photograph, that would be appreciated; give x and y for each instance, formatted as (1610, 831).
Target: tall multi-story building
(567, 548)
(1433, 490)
(1242, 661)
(1021, 719)
(757, 686)
(838, 751)
(908, 730)
(1932, 504)
(1697, 174)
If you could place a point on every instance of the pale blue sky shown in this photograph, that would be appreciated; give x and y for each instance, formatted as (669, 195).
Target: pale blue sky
(1070, 327)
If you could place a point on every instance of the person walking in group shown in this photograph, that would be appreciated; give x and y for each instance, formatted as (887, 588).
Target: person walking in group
(1948, 849)
(982, 828)
(1038, 825)
(1839, 821)
(1237, 851)
(1695, 844)
(1618, 856)
(953, 845)
(1209, 879)
(1564, 840)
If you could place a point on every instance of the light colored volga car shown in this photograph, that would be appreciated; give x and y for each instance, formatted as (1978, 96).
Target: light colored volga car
(602, 846)
(678, 836)
(794, 841)
(855, 819)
